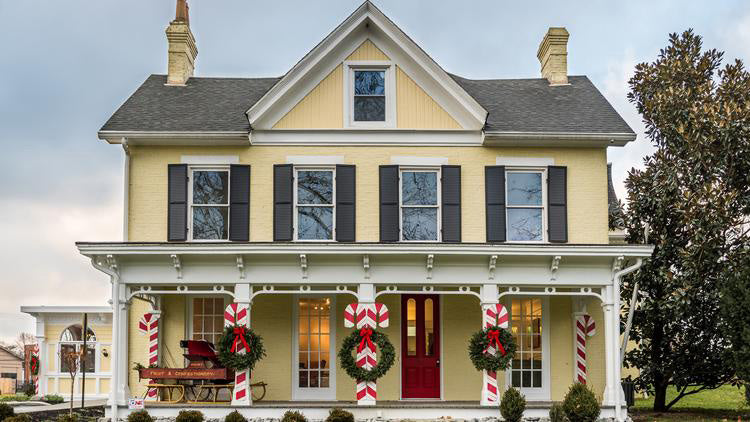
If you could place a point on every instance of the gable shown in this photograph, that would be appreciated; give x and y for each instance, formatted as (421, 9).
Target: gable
(323, 106)
(423, 95)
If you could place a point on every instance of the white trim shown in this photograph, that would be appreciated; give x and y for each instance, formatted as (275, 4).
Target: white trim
(328, 393)
(408, 160)
(350, 66)
(66, 309)
(210, 159)
(366, 137)
(557, 139)
(314, 160)
(137, 137)
(524, 161)
(332, 205)
(542, 393)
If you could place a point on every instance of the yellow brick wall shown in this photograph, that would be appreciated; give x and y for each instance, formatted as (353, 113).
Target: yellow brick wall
(587, 185)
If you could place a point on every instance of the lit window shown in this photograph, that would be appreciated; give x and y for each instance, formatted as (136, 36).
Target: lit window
(525, 206)
(71, 341)
(419, 205)
(208, 319)
(315, 211)
(526, 327)
(210, 204)
(369, 96)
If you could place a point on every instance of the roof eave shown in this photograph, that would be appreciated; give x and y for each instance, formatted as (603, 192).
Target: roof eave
(175, 137)
(570, 139)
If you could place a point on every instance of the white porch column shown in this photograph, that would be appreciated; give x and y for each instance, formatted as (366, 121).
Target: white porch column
(366, 392)
(242, 393)
(41, 341)
(611, 320)
(490, 395)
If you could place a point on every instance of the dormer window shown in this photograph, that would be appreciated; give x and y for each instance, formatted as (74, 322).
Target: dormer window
(370, 91)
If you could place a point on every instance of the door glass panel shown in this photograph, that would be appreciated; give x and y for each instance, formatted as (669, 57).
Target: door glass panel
(429, 328)
(313, 341)
(411, 327)
(526, 327)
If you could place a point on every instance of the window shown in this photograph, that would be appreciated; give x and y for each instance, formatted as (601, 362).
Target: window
(420, 209)
(208, 319)
(209, 203)
(314, 204)
(71, 341)
(529, 369)
(369, 96)
(525, 215)
(314, 348)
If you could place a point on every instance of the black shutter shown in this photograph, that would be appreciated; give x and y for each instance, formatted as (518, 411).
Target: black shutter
(557, 203)
(177, 191)
(494, 198)
(345, 203)
(239, 206)
(389, 224)
(283, 184)
(451, 203)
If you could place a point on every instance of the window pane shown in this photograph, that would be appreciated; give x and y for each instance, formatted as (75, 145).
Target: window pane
(65, 351)
(411, 327)
(314, 187)
(210, 187)
(524, 224)
(429, 328)
(369, 109)
(369, 82)
(419, 223)
(524, 188)
(418, 188)
(210, 222)
(90, 358)
(315, 223)
(324, 379)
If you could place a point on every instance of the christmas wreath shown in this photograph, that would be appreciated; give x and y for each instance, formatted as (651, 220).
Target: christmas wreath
(34, 364)
(357, 340)
(494, 337)
(230, 343)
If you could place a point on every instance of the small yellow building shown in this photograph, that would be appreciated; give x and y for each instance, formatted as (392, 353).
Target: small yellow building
(368, 188)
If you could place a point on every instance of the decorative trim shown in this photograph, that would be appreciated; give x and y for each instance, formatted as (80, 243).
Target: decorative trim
(492, 267)
(210, 159)
(407, 160)
(430, 290)
(241, 266)
(177, 265)
(303, 265)
(315, 159)
(366, 137)
(554, 267)
(304, 289)
(524, 161)
(366, 266)
(180, 290)
(430, 265)
(553, 291)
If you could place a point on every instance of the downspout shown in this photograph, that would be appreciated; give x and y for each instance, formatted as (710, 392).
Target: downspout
(125, 189)
(616, 284)
(114, 280)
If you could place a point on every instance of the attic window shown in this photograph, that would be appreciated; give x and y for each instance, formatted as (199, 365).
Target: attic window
(370, 94)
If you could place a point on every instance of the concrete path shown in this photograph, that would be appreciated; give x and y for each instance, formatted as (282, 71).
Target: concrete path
(28, 407)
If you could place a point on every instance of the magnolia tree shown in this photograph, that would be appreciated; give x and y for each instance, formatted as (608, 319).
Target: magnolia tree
(694, 196)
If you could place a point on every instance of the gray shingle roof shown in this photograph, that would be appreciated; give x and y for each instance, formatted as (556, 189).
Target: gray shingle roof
(514, 105)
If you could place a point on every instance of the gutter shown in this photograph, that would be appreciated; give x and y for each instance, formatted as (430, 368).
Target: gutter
(615, 139)
(173, 137)
(125, 189)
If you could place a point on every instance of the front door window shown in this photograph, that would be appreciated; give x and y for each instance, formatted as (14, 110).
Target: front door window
(315, 334)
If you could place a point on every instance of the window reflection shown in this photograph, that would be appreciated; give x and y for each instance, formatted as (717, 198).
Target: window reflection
(315, 204)
(419, 205)
(411, 327)
(210, 204)
(525, 206)
(429, 328)
(369, 96)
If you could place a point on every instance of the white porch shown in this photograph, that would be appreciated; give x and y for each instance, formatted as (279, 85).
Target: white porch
(366, 273)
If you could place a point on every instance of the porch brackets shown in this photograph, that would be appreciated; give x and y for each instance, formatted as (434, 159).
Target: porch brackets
(494, 314)
(239, 314)
(361, 316)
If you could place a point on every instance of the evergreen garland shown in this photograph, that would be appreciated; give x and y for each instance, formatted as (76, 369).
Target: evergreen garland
(485, 361)
(349, 362)
(234, 360)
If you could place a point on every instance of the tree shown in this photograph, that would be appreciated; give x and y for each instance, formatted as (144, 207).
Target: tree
(71, 360)
(693, 195)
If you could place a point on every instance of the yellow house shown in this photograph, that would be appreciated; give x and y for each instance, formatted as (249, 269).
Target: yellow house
(368, 187)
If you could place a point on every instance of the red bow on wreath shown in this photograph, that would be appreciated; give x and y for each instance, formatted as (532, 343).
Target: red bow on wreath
(366, 334)
(494, 337)
(33, 364)
(239, 334)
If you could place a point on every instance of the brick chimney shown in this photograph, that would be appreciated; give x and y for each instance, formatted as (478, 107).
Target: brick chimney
(182, 49)
(553, 56)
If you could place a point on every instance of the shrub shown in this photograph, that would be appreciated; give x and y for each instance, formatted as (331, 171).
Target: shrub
(556, 413)
(189, 416)
(18, 418)
(512, 405)
(6, 411)
(235, 417)
(28, 389)
(67, 417)
(580, 404)
(14, 397)
(140, 416)
(339, 415)
(293, 416)
(53, 399)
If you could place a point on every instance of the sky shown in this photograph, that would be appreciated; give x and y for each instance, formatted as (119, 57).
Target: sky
(65, 66)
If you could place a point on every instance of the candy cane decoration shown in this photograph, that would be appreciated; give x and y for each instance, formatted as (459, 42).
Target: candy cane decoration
(149, 325)
(366, 315)
(492, 315)
(585, 327)
(238, 314)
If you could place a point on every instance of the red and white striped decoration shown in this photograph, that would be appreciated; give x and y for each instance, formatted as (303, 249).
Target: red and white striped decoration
(149, 325)
(366, 315)
(492, 315)
(585, 327)
(239, 314)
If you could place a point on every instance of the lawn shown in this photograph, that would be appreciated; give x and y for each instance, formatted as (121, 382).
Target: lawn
(725, 403)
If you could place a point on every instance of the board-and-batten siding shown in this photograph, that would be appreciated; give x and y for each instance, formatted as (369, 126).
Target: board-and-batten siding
(323, 107)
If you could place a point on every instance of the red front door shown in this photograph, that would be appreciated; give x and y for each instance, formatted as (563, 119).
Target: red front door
(420, 340)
